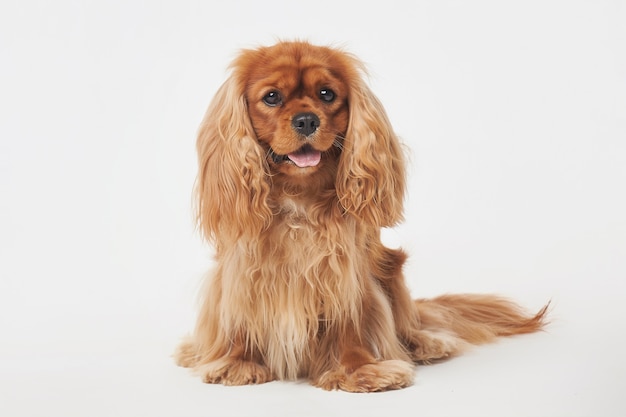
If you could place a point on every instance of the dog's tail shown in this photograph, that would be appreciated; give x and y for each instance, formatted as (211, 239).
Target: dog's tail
(476, 319)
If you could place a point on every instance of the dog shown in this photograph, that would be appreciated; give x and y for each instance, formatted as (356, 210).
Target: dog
(299, 169)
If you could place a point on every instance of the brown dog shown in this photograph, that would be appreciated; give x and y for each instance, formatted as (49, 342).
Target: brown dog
(299, 169)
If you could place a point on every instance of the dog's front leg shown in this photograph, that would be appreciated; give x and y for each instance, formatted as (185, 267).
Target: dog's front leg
(358, 370)
(235, 367)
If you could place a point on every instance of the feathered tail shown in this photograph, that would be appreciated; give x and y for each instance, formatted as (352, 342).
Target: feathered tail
(449, 323)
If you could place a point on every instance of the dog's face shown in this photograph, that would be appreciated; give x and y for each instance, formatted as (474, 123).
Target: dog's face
(296, 123)
(298, 104)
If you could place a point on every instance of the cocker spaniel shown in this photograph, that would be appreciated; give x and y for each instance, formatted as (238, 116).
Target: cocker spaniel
(299, 169)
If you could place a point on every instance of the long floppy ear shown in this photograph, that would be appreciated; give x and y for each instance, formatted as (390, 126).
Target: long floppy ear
(371, 177)
(232, 183)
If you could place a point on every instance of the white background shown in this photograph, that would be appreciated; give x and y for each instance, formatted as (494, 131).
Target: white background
(514, 116)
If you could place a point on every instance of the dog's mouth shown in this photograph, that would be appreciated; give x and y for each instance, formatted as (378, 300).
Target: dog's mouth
(304, 157)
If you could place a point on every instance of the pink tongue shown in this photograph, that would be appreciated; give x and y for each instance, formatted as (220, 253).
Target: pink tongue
(310, 158)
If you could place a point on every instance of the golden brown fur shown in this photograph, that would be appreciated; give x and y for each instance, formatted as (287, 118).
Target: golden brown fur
(303, 286)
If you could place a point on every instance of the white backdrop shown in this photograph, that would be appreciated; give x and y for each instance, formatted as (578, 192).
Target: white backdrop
(514, 115)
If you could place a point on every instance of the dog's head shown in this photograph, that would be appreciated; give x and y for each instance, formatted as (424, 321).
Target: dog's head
(297, 98)
(297, 114)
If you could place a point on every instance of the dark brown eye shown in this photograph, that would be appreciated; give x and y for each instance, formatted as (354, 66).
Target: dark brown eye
(273, 98)
(327, 95)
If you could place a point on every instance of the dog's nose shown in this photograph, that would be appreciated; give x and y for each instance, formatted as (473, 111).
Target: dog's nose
(305, 123)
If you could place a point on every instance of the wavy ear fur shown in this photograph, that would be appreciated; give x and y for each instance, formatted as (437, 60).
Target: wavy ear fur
(232, 183)
(371, 177)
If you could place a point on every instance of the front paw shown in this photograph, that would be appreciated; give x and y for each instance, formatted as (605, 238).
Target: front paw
(373, 377)
(229, 371)
(186, 354)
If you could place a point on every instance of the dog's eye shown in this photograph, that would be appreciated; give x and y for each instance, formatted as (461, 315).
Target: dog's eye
(327, 95)
(273, 98)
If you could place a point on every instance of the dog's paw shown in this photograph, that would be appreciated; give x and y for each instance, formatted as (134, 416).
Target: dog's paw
(430, 346)
(186, 354)
(229, 371)
(373, 377)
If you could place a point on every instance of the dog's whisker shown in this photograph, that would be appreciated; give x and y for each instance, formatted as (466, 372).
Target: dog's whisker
(338, 142)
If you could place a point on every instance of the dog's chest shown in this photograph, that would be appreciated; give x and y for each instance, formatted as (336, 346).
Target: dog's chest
(294, 223)
(302, 280)
(306, 260)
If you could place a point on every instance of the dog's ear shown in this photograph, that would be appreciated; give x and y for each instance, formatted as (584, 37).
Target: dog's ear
(232, 183)
(371, 176)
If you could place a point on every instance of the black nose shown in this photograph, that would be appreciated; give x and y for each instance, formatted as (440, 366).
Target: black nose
(305, 123)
